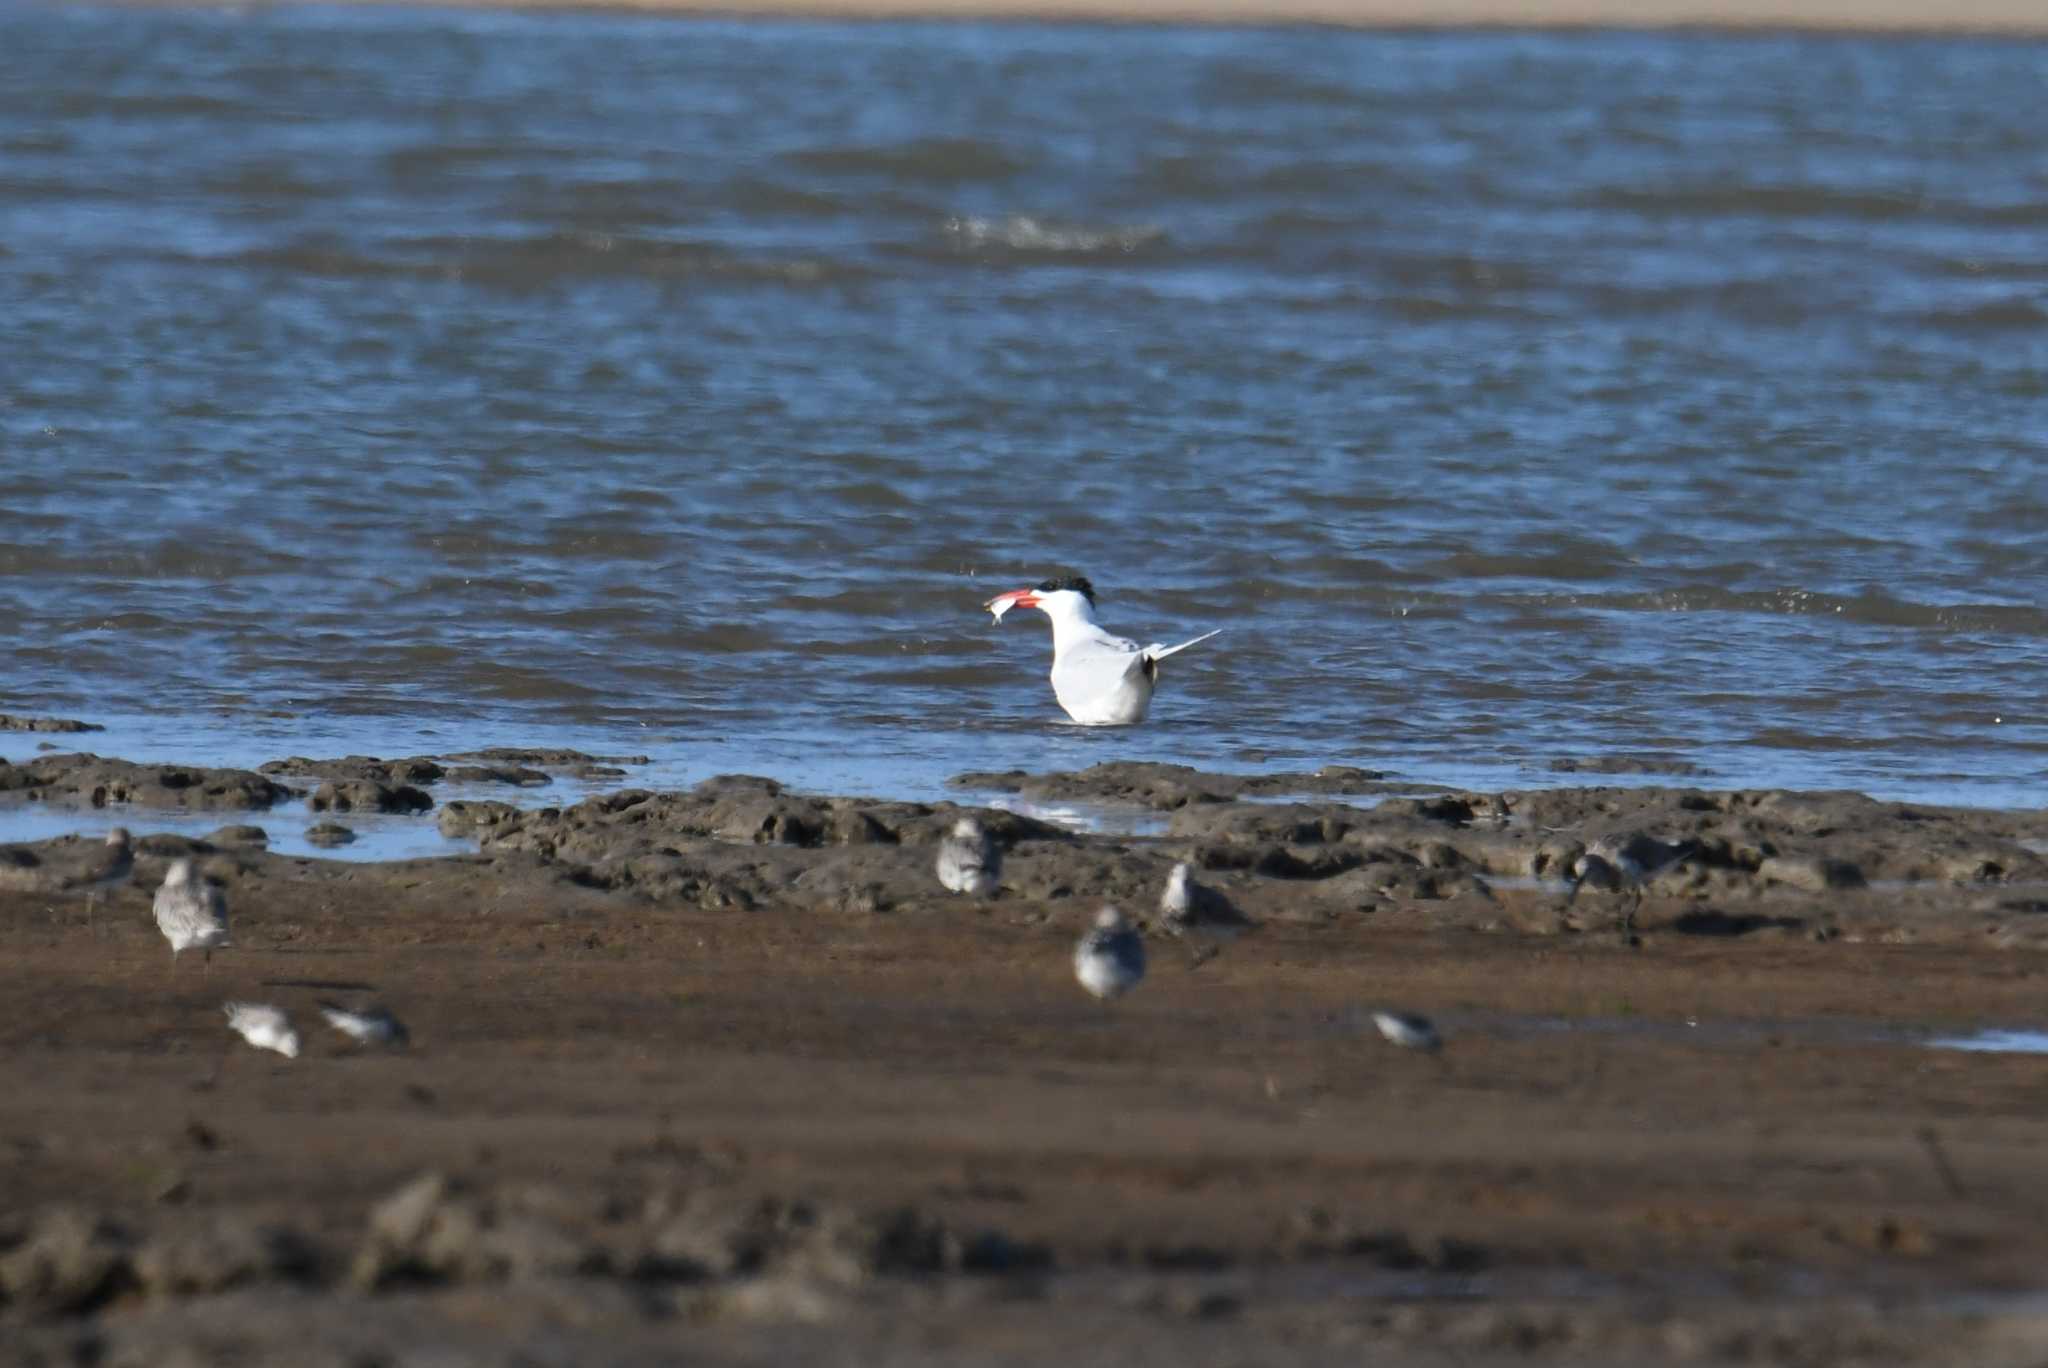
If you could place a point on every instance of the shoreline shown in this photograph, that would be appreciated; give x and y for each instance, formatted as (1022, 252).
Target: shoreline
(724, 1071)
(1872, 18)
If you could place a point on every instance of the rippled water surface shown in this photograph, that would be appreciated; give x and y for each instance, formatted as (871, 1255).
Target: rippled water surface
(397, 380)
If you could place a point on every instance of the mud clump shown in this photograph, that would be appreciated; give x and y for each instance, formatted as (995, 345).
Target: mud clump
(367, 795)
(56, 725)
(220, 1251)
(359, 768)
(440, 1230)
(434, 1229)
(546, 757)
(734, 841)
(65, 1261)
(1627, 764)
(93, 781)
(1171, 787)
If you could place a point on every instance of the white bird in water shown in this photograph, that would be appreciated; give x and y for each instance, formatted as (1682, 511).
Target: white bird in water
(969, 860)
(1195, 910)
(1110, 959)
(192, 913)
(367, 1025)
(264, 1026)
(108, 870)
(1099, 679)
(1409, 1031)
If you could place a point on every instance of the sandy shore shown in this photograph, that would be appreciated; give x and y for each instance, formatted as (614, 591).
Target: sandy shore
(1864, 16)
(723, 1073)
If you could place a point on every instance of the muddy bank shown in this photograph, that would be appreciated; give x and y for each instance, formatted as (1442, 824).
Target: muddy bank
(723, 1072)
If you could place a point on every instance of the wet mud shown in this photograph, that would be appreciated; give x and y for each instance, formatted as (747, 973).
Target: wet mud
(724, 1073)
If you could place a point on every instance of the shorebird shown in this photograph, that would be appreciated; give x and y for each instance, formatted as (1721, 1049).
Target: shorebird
(192, 913)
(1195, 910)
(1100, 680)
(969, 859)
(1409, 1031)
(1110, 959)
(367, 1025)
(264, 1026)
(1615, 864)
(108, 869)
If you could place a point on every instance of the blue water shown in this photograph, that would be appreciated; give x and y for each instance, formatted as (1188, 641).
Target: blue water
(404, 380)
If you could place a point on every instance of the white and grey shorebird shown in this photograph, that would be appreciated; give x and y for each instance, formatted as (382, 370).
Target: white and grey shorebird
(1198, 912)
(264, 1026)
(1409, 1031)
(1110, 959)
(367, 1025)
(107, 870)
(192, 913)
(1623, 864)
(969, 860)
(1100, 680)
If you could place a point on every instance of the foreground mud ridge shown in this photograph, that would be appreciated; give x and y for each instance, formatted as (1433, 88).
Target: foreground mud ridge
(724, 1072)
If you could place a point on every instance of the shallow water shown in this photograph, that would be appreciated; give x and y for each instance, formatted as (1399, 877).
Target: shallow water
(395, 381)
(1997, 1042)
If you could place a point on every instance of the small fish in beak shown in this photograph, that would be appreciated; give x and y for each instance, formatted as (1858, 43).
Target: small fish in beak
(1015, 598)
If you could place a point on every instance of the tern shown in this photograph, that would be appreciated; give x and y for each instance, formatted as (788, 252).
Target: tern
(1110, 959)
(1099, 679)
(969, 860)
(264, 1026)
(192, 913)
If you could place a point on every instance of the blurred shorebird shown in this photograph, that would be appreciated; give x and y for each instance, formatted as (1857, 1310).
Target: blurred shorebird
(1198, 912)
(1100, 680)
(1110, 959)
(192, 913)
(1623, 864)
(107, 870)
(264, 1026)
(367, 1025)
(1409, 1031)
(969, 860)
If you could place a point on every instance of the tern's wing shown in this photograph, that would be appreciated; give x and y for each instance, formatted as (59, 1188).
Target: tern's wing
(1158, 652)
(1097, 650)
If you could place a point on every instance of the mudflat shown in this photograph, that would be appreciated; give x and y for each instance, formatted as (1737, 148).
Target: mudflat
(724, 1075)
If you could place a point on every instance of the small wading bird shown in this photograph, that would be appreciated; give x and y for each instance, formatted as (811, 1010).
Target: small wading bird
(1110, 959)
(264, 1026)
(192, 913)
(1409, 1031)
(1099, 679)
(1615, 864)
(1199, 913)
(969, 860)
(367, 1025)
(108, 869)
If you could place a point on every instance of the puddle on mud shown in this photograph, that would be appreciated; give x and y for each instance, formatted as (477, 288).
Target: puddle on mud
(379, 836)
(1096, 819)
(1130, 819)
(1995, 1042)
(1706, 1032)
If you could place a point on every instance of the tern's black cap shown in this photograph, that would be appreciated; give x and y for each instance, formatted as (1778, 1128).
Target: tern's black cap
(1078, 583)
